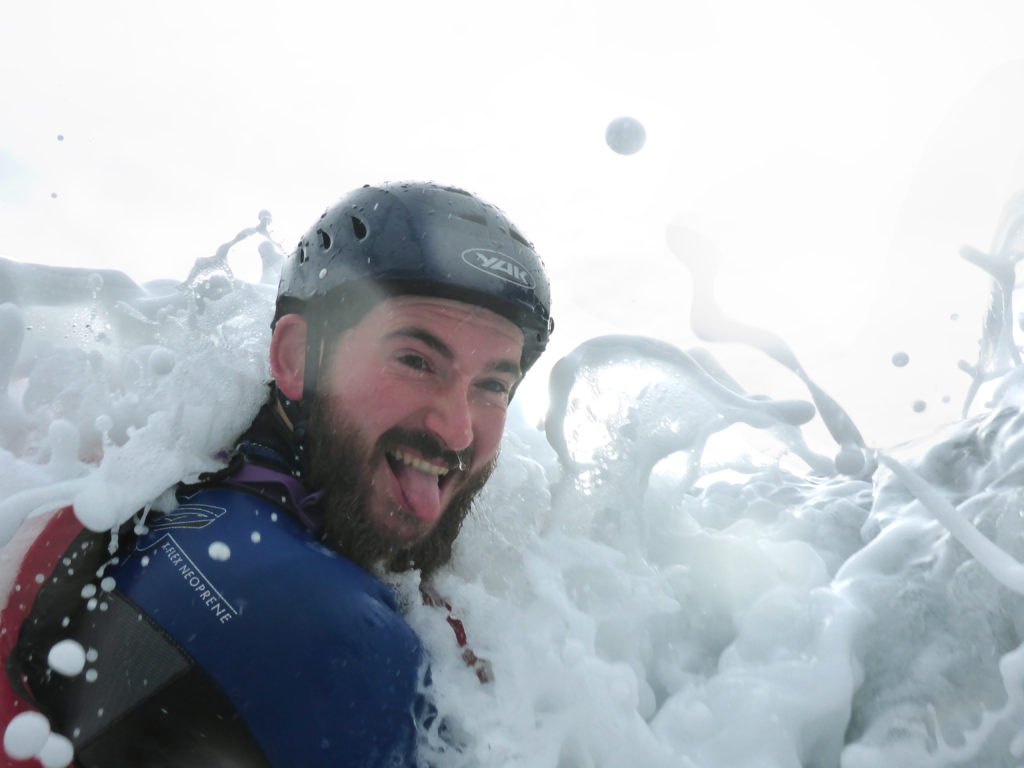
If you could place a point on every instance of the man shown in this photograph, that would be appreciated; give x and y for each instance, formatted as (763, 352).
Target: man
(246, 627)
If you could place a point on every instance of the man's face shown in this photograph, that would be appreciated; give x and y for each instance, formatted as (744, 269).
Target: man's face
(407, 424)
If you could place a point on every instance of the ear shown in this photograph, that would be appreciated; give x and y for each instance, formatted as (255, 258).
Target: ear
(288, 355)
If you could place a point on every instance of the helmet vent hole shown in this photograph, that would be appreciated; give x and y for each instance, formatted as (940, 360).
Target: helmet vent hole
(325, 239)
(518, 237)
(303, 258)
(475, 218)
(358, 228)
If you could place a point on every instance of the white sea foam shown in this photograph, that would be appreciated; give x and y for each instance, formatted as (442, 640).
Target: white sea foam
(785, 605)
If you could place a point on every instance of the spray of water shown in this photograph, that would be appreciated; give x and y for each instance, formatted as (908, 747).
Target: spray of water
(798, 610)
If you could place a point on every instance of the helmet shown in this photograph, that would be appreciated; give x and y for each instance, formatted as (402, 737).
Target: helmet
(419, 239)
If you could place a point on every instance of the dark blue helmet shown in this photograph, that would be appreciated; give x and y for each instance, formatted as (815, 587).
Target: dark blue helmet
(419, 239)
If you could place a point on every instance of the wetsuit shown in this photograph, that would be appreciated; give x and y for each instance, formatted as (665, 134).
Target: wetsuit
(224, 635)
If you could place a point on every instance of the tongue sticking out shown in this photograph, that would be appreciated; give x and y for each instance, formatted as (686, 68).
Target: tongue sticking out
(421, 493)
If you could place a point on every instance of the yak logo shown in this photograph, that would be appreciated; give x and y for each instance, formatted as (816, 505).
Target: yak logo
(498, 264)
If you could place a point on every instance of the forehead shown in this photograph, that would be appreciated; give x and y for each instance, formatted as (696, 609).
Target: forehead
(445, 317)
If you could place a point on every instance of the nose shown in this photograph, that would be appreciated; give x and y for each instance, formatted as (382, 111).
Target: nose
(451, 419)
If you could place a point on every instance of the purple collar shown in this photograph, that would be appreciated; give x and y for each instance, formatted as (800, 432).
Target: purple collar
(304, 505)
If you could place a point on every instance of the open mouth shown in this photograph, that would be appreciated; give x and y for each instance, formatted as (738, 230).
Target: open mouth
(419, 484)
(400, 461)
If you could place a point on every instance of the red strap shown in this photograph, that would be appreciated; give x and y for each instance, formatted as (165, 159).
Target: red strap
(36, 567)
(482, 667)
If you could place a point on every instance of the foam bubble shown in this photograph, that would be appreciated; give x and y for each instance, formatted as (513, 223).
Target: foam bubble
(850, 460)
(161, 361)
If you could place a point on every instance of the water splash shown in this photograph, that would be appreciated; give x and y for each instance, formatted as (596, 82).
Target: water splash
(100, 376)
(711, 324)
(772, 618)
(678, 404)
(997, 350)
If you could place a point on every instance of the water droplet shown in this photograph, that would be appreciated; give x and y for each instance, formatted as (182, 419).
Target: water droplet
(25, 735)
(57, 752)
(219, 551)
(67, 658)
(625, 135)
(900, 359)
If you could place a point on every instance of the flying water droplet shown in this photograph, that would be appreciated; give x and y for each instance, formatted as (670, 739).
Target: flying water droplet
(625, 135)
(25, 735)
(67, 658)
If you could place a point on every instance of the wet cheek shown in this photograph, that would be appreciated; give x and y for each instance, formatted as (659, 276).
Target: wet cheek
(376, 402)
(488, 437)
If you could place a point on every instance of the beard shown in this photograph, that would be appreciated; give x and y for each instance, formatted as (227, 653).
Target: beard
(340, 463)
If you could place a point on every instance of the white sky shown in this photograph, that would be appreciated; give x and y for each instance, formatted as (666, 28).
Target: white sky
(837, 154)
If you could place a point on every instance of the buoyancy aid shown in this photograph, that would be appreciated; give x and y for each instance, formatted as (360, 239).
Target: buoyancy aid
(225, 634)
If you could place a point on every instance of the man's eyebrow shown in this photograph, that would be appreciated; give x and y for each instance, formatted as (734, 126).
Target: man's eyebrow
(427, 338)
(500, 366)
(506, 366)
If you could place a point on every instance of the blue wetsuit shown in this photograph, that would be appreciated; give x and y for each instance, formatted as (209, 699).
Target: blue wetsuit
(309, 648)
(230, 637)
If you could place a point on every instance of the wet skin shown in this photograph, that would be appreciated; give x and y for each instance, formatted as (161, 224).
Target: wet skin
(426, 382)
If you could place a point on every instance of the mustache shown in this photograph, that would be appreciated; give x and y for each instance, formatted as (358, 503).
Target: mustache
(427, 445)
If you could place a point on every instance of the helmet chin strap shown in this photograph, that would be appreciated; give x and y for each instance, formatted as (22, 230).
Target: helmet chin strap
(313, 358)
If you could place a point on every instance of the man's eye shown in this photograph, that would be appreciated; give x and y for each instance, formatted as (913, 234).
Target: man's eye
(416, 362)
(495, 385)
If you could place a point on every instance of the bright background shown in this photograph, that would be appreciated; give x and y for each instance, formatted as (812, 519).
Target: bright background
(837, 154)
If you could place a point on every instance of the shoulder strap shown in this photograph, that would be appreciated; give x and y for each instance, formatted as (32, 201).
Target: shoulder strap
(304, 505)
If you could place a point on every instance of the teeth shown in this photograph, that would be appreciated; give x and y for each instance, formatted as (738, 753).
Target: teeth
(419, 464)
